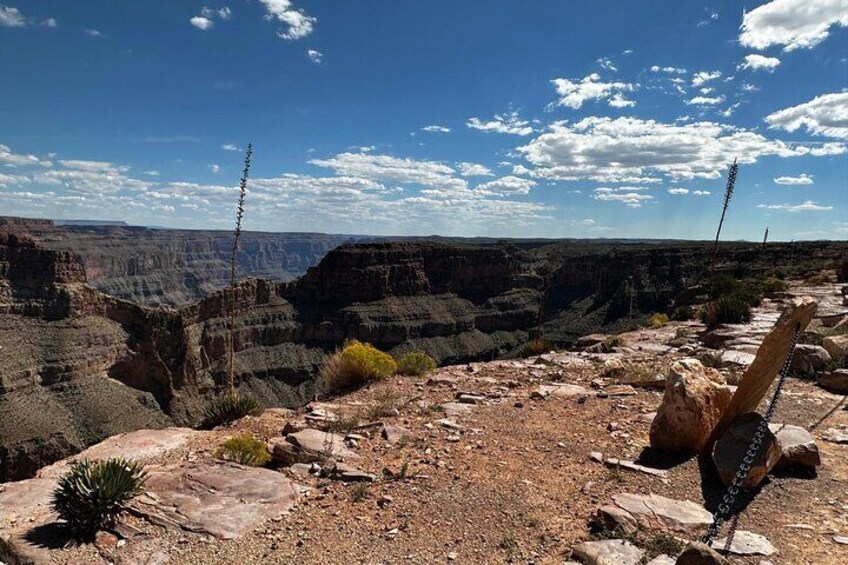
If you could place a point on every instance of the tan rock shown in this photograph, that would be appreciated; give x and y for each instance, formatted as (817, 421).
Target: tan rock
(697, 553)
(695, 397)
(836, 346)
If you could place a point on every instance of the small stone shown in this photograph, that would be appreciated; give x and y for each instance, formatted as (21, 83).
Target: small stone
(596, 456)
(452, 556)
(395, 434)
(841, 540)
(385, 500)
(105, 542)
(608, 552)
(518, 404)
(697, 553)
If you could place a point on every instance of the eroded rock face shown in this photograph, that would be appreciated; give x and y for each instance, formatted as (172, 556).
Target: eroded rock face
(695, 397)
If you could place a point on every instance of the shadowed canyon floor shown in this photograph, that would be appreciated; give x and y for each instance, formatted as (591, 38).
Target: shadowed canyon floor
(504, 461)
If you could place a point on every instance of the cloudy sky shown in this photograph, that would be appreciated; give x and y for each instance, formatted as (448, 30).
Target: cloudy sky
(492, 117)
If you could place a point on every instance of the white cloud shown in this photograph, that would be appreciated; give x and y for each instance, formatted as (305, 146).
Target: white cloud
(436, 129)
(391, 169)
(93, 166)
(225, 13)
(631, 199)
(756, 62)
(573, 93)
(711, 17)
(11, 17)
(631, 149)
(706, 100)
(15, 160)
(702, 77)
(230, 147)
(701, 192)
(802, 179)
(50, 22)
(807, 206)
(94, 32)
(619, 101)
(746, 87)
(202, 23)
(825, 115)
(607, 64)
(502, 123)
(473, 170)
(795, 24)
(670, 70)
(505, 186)
(298, 23)
(215, 168)
(678, 191)
(152, 173)
(727, 112)
(314, 56)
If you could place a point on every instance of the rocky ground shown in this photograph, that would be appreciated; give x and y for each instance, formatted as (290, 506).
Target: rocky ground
(507, 461)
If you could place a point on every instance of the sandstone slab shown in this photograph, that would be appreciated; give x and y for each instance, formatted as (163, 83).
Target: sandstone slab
(834, 381)
(562, 390)
(321, 444)
(222, 499)
(746, 543)
(694, 399)
(658, 512)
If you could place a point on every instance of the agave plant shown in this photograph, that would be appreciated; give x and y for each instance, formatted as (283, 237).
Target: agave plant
(91, 495)
(229, 407)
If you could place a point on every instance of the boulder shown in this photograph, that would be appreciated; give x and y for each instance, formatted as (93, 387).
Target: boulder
(589, 340)
(809, 359)
(694, 399)
(732, 446)
(608, 552)
(797, 446)
(836, 346)
(697, 553)
(395, 434)
(834, 381)
(310, 445)
(613, 369)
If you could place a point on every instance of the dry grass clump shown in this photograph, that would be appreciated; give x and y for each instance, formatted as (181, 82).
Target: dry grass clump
(415, 363)
(611, 342)
(657, 321)
(537, 346)
(244, 449)
(354, 365)
(819, 279)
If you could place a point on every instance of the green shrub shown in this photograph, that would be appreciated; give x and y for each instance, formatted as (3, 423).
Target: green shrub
(244, 449)
(819, 279)
(724, 284)
(536, 346)
(230, 407)
(727, 309)
(772, 285)
(611, 342)
(356, 364)
(682, 314)
(415, 363)
(91, 495)
(657, 321)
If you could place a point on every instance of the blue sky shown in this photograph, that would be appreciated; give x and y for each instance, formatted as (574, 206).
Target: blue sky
(492, 118)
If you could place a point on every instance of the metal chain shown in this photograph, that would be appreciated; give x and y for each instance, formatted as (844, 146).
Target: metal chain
(728, 501)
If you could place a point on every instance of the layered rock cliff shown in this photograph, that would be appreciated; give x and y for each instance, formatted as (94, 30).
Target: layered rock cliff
(77, 365)
(175, 267)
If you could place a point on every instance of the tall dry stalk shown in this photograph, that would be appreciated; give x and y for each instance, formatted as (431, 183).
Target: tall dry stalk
(232, 294)
(728, 193)
(765, 237)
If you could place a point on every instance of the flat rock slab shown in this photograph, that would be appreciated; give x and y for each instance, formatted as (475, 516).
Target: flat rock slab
(662, 560)
(139, 445)
(658, 512)
(454, 409)
(25, 509)
(746, 543)
(632, 466)
(608, 552)
(395, 434)
(222, 499)
(562, 390)
(320, 443)
(836, 435)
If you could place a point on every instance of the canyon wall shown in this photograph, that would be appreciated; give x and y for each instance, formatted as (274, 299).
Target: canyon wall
(78, 365)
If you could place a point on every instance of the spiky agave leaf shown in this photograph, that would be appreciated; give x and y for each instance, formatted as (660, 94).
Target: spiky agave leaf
(229, 407)
(91, 495)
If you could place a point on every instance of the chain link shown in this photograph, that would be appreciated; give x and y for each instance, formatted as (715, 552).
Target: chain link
(728, 501)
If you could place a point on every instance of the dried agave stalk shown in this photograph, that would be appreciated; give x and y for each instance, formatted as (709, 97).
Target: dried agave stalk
(232, 291)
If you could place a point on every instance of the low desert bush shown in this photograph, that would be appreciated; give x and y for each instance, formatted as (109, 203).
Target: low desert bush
(772, 285)
(728, 309)
(657, 321)
(91, 495)
(819, 279)
(536, 346)
(415, 363)
(356, 364)
(611, 342)
(244, 449)
(229, 407)
(682, 314)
